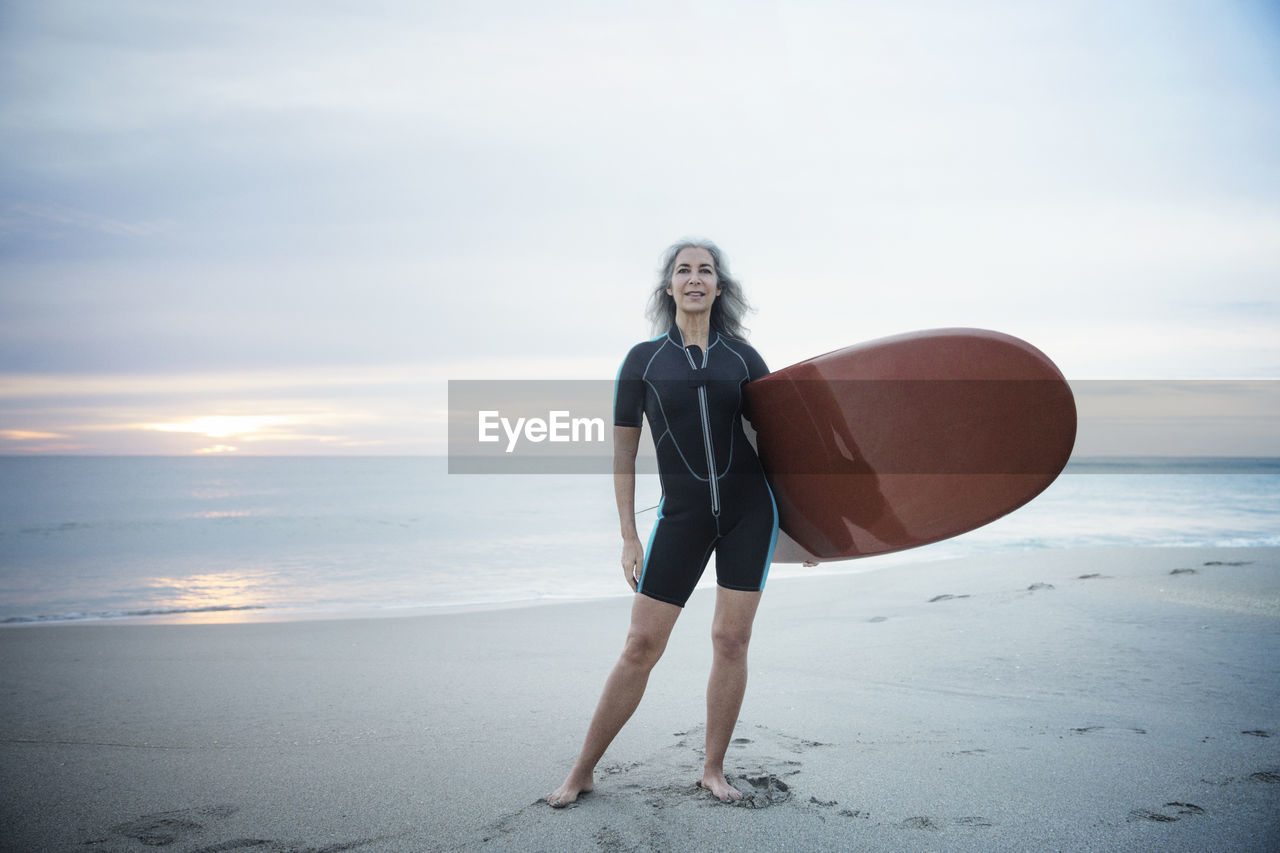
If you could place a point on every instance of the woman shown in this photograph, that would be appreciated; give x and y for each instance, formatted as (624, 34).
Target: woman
(688, 383)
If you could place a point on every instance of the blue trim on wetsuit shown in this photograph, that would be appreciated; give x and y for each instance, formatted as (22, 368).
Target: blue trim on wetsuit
(773, 542)
(648, 549)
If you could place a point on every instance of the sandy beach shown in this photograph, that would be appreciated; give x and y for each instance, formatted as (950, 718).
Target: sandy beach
(1055, 700)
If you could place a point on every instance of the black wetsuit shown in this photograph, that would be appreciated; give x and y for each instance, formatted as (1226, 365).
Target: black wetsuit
(715, 495)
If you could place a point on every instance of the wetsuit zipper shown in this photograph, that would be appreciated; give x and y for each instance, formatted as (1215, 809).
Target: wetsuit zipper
(706, 427)
(711, 457)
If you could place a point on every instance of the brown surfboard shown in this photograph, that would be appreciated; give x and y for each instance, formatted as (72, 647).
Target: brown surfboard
(908, 440)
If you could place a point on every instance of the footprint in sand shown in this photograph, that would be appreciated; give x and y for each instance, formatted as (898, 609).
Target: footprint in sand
(608, 838)
(1093, 576)
(1183, 572)
(789, 742)
(1168, 813)
(1084, 730)
(936, 824)
(183, 826)
(973, 821)
(1036, 587)
(1257, 733)
(761, 791)
(946, 597)
(617, 767)
(165, 828)
(857, 814)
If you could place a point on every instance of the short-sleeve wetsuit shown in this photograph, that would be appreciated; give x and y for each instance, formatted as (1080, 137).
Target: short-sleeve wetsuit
(715, 495)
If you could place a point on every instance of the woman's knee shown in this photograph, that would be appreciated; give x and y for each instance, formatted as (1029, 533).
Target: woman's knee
(730, 643)
(643, 648)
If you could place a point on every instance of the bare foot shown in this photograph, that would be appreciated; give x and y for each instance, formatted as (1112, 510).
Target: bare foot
(569, 791)
(720, 788)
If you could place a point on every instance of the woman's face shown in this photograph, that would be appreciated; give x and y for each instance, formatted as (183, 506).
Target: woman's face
(694, 284)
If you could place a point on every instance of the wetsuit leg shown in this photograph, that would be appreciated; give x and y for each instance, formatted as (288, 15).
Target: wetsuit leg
(679, 548)
(745, 548)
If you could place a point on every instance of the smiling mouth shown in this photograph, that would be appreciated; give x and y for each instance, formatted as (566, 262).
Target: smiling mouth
(693, 293)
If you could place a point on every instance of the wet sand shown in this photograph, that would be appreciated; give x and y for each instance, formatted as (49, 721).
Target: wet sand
(1065, 700)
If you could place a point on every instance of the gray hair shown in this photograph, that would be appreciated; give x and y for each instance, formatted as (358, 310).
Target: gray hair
(728, 309)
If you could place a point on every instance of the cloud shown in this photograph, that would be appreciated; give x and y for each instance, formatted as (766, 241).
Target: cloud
(1178, 418)
(385, 409)
(27, 220)
(255, 191)
(27, 435)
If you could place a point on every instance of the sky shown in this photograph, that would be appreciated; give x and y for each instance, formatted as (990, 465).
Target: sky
(262, 228)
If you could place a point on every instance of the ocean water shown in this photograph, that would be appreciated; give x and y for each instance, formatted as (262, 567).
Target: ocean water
(233, 538)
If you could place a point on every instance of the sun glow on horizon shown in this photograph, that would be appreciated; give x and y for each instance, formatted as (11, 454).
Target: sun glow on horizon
(28, 435)
(224, 426)
(229, 433)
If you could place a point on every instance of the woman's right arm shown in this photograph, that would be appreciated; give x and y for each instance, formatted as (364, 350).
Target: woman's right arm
(626, 442)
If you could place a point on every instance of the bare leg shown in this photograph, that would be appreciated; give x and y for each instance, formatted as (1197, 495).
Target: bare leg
(730, 635)
(651, 624)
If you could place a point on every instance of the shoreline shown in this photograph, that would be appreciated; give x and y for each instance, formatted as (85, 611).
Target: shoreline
(252, 614)
(1079, 699)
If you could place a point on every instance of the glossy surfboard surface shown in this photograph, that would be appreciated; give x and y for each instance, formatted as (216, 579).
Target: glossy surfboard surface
(908, 440)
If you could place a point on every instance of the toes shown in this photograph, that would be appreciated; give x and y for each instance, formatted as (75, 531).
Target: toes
(562, 798)
(727, 794)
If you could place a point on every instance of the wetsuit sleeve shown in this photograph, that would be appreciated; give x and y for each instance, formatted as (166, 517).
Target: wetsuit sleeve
(755, 364)
(755, 369)
(628, 391)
